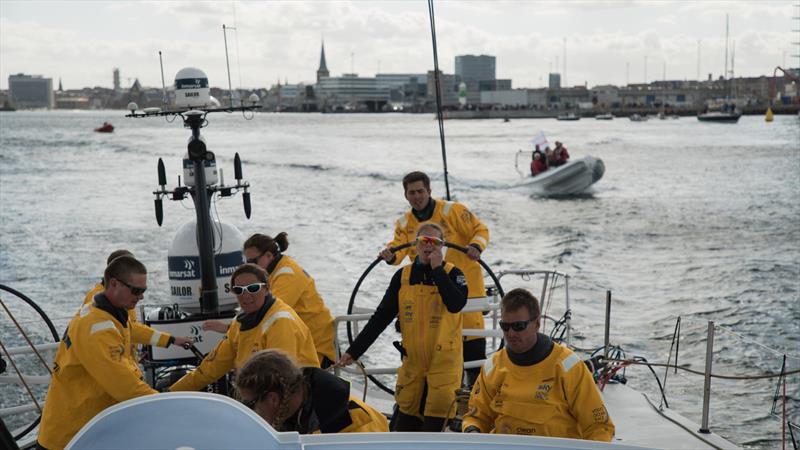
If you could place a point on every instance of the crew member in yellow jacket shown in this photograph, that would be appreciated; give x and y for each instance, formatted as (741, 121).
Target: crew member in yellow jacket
(290, 283)
(307, 400)
(534, 386)
(91, 370)
(461, 227)
(140, 333)
(427, 297)
(265, 322)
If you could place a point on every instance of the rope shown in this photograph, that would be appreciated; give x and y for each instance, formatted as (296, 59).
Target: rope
(33, 347)
(697, 372)
(750, 341)
(21, 378)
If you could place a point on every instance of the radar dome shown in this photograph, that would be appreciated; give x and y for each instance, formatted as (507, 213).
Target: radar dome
(191, 88)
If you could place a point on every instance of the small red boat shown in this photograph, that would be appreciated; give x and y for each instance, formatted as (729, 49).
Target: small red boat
(106, 128)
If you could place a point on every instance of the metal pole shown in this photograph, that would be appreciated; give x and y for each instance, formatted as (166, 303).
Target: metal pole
(209, 302)
(438, 87)
(707, 383)
(228, 64)
(608, 324)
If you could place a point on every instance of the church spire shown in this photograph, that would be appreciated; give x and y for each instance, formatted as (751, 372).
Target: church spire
(322, 72)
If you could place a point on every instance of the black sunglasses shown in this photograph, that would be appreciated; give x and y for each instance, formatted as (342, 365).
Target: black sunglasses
(251, 288)
(250, 403)
(255, 260)
(134, 290)
(516, 326)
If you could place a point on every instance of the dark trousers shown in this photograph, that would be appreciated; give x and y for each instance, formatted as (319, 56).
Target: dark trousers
(474, 350)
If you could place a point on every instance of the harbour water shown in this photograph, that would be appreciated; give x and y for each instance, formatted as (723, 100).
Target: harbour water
(691, 219)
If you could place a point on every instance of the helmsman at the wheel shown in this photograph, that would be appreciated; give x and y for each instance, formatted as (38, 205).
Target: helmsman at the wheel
(427, 297)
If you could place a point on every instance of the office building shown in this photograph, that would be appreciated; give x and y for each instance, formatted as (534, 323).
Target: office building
(31, 91)
(475, 68)
(554, 81)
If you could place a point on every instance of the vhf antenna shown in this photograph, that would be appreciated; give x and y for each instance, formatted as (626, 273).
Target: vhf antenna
(228, 64)
(164, 100)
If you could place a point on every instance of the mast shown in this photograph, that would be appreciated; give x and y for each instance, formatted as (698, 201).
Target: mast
(725, 73)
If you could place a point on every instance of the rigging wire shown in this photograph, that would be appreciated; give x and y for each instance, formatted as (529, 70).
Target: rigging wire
(697, 372)
(437, 82)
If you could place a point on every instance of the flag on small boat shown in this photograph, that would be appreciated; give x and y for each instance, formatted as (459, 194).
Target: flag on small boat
(540, 140)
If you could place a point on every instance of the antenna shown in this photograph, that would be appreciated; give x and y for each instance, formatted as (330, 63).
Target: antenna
(725, 74)
(565, 62)
(627, 73)
(163, 85)
(228, 64)
(645, 69)
(698, 60)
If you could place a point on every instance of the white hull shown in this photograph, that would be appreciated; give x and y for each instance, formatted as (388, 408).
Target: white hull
(574, 177)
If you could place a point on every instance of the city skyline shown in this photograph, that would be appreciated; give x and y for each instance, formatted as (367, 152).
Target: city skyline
(82, 42)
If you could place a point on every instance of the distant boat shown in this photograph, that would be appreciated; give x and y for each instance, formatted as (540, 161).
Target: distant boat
(637, 118)
(720, 116)
(574, 177)
(569, 116)
(106, 128)
(606, 116)
(7, 107)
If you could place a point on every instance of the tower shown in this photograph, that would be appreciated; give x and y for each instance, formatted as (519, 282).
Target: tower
(116, 79)
(322, 72)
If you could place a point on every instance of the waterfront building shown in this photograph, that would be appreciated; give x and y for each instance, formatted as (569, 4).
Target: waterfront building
(31, 91)
(116, 80)
(406, 90)
(554, 81)
(472, 70)
(475, 67)
(352, 93)
(449, 87)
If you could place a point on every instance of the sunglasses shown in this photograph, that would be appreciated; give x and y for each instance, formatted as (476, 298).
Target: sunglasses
(251, 288)
(434, 241)
(134, 290)
(250, 403)
(516, 326)
(255, 260)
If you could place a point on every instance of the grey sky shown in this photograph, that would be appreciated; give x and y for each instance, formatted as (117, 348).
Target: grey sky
(81, 42)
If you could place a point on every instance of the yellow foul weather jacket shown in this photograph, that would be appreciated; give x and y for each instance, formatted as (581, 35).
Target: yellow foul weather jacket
(433, 344)
(461, 227)
(280, 327)
(290, 283)
(556, 397)
(91, 372)
(140, 333)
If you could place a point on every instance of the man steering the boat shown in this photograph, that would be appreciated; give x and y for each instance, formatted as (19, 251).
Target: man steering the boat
(427, 297)
(91, 370)
(460, 227)
(535, 386)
